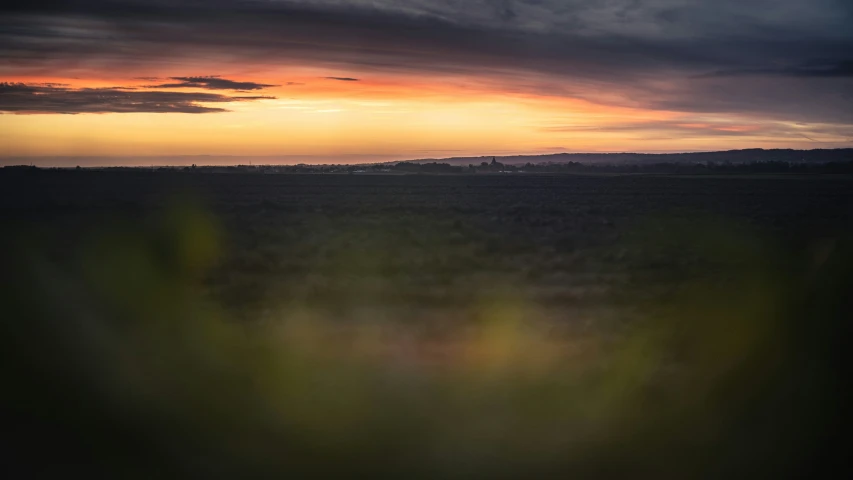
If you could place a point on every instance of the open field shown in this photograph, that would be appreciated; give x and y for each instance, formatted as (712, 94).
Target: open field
(434, 241)
(453, 326)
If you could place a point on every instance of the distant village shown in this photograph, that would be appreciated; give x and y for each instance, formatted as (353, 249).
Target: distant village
(494, 167)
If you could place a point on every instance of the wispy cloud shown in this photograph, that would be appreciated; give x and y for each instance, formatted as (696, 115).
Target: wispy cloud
(214, 82)
(697, 127)
(43, 98)
(812, 69)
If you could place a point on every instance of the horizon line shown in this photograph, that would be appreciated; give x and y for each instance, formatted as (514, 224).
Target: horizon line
(370, 159)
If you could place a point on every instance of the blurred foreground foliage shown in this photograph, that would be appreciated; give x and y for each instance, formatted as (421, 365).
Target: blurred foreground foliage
(116, 365)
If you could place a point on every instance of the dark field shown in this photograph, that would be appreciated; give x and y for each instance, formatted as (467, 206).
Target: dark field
(415, 242)
(469, 326)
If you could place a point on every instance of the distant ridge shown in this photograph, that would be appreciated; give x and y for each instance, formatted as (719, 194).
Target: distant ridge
(734, 157)
(729, 156)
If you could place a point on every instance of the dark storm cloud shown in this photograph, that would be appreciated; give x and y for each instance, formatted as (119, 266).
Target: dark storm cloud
(343, 79)
(813, 69)
(47, 98)
(213, 82)
(696, 56)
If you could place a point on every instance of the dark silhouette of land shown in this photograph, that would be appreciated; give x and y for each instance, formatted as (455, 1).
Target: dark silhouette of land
(837, 161)
(754, 155)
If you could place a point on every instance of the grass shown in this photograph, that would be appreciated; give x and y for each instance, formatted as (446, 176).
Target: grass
(426, 327)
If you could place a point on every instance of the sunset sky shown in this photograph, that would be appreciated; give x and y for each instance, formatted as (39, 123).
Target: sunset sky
(327, 81)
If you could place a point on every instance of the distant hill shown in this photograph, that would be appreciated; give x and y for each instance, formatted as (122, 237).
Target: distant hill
(730, 156)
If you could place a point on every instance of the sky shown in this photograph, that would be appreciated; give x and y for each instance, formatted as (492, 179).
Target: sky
(334, 81)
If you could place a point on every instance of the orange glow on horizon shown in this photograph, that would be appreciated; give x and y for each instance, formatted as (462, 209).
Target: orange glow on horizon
(381, 116)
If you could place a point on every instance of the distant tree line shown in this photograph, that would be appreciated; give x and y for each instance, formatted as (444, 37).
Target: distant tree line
(493, 167)
(662, 168)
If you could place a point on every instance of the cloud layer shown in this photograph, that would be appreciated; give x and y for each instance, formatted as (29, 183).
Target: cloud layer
(786, 60)
(212, 83)
(53, 98)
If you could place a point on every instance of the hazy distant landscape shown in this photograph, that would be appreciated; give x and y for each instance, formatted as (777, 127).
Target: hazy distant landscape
(351, 162)
(756, 155)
